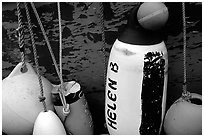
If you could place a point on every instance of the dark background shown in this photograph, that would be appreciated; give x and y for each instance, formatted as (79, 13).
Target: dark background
(83, 58)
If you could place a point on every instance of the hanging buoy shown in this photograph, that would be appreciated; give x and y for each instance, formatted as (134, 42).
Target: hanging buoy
(20, 103)
(152, 15)
(79, 120)
(185, 117)
(136, 82)
(48, 123)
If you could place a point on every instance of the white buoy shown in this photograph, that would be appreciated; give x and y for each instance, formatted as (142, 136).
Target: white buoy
(20, 103)
(48, 123)
(79, 120)
(136, 82)
(184, 117)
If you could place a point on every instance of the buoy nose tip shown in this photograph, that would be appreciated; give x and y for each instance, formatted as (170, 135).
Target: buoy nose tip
(48, 123)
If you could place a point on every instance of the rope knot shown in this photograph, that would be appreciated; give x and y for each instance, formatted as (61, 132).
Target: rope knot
(41, 98)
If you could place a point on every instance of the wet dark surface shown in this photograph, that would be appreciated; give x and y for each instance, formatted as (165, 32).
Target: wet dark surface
(83, 58)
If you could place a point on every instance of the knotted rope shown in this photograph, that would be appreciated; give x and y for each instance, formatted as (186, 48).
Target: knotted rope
(20, 35)
(41, 97)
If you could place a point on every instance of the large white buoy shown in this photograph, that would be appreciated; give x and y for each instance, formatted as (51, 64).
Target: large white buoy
(136, 82)
(79, 120)
(48, 123)
(20, 103)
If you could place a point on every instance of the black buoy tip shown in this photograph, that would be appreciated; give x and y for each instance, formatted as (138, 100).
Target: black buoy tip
(135, 34)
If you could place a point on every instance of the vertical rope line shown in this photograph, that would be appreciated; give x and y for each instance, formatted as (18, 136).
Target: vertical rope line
(62, 96)
(101, 17)
(47, 41)
(20, 31)
(41, 97)
(185, 93)
(184, 46)
(60, 39)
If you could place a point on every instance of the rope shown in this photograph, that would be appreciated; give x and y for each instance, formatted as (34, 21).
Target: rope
(47, 41)
(20, 35)
(61, 92)
(41, 97)
(60, 39)
(101, 21)
(62, 96)
(185, 93)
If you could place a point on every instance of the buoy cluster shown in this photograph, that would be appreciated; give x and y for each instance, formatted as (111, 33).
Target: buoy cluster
(136, 90)
(22, 113)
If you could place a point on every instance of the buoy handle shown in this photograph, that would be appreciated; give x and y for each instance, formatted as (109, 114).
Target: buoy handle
(18, 70)
(66, 110)
(70, 88)
(57, 90)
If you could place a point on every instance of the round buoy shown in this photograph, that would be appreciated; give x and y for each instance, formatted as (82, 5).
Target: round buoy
(79, 120)
(152, 15)
(184, 117)
(48, 123)
(20, 103)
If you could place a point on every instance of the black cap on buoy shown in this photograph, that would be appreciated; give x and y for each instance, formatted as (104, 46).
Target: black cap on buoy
(135, 34)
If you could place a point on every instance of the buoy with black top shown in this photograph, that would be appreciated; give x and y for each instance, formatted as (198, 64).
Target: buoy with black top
(48, 123)
(136, 81)
(20, 104)
(79, 120)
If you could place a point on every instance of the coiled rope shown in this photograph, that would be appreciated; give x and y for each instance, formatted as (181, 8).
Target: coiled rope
(41, 97)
